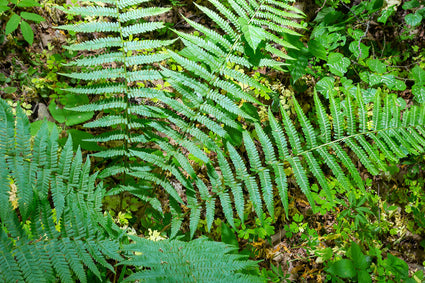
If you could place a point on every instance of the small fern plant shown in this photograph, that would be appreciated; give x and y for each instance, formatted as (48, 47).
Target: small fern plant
(51, 226)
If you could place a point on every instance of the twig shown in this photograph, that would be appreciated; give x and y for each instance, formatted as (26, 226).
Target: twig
(324, 3)
(365, 33)
(360, 40)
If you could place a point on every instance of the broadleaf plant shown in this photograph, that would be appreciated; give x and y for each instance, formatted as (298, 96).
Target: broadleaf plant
(10, 9)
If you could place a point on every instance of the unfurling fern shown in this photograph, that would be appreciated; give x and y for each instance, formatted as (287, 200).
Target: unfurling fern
(50, 221)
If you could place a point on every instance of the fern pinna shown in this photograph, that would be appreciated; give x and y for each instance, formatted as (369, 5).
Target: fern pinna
(50, 221)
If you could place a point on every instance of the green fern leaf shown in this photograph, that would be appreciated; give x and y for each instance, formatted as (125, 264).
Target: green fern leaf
(264, 174)
(145, 44)
(175, 260)
(235, 187)
(98, 75)
(306, 126)
(93, 11)
(127, 3)
(250, 181)
(98, 60)
(143, 13)
(92, 27)
(293, 137)
(338, 119)
(323, 120)
(141, 28)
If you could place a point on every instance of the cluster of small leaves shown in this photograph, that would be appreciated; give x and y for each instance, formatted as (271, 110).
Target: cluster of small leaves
(9, 9)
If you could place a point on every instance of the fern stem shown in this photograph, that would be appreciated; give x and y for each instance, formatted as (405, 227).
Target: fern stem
(127, 102)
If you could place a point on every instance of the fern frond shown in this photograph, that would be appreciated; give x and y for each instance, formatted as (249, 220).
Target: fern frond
(285, 6)
(264, 174)
(337, 116)
(235, 187)
(293, 137)
(282, 13)
(249, 181)
(306, 126)
(222, 23)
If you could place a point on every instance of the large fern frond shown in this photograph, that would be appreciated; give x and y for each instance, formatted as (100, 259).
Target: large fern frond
(393, 138)
(117, 89)
(208, 97)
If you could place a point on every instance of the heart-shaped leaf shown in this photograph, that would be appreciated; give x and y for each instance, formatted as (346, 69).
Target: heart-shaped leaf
(325, 85)
(343, 268)
(338, 64)
(413, 19)
(418, 75)
(419, 93)
(359, 259)
(376, 66)
(361, 52)
(70, 117)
